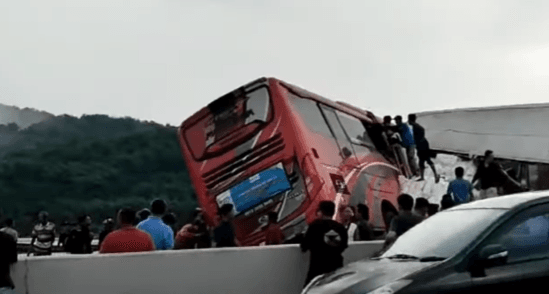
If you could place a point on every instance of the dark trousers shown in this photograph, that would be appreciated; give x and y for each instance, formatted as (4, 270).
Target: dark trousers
(320, 268)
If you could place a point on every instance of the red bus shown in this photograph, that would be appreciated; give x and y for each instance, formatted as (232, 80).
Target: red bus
(271, 146)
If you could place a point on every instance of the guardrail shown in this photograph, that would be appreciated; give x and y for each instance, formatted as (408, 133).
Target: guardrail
(27, 241)
(23, 245)
(264, 269)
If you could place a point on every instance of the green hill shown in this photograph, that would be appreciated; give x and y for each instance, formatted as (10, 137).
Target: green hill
(95, 165)
(22, 117)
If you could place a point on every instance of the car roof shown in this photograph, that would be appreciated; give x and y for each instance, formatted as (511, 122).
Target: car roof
(504, 202)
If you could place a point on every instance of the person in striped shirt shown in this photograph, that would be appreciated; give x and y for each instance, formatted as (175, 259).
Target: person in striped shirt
(43, 235)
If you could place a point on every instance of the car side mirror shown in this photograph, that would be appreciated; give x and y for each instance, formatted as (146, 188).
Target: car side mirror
(493, 255)
(489, 256)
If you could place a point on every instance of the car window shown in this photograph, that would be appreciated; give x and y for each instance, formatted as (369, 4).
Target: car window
(525, 237)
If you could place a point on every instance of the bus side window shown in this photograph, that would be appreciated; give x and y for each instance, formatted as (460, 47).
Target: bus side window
(310, 113)
(355, 130)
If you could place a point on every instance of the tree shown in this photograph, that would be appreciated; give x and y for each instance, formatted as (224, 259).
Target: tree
(99, 170)
(13, 127)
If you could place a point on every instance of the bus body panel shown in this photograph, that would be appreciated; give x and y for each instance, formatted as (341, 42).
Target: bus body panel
(316, 166)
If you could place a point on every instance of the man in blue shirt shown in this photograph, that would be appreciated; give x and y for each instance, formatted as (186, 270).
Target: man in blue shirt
(461, 190)
(408, 142)
(161, 233)
(422, 147)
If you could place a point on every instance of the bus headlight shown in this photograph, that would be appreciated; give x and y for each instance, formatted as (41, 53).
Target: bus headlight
(391, 287)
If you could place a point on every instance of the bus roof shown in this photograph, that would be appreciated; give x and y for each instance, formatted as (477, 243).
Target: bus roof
(342, 106)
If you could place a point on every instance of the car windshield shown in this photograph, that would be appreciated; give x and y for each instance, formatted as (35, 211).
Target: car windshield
(444, 234)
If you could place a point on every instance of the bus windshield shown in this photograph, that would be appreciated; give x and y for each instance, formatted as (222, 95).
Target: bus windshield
(231, 119)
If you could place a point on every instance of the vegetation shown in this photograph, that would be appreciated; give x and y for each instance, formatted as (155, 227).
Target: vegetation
(91, 165)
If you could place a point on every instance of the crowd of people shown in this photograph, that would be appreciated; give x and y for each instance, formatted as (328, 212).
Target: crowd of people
(411, 138)
(325, 238)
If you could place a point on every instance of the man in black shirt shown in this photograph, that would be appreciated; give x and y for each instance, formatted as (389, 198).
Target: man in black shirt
(364, 230)
(107, 229)
(446, 202)
(404, 221)
(423, 149)
(203, 235)
(80, 238)
(326, 239)
(422, 207)
(491, 176)
(433, 209)
(8, 256)
(224, 235)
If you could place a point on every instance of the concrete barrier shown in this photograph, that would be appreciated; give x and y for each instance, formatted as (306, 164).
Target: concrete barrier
(265, 270)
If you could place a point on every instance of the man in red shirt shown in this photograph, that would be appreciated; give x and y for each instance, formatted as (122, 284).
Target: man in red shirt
(127, 238)
(193, 235)
(273, 233)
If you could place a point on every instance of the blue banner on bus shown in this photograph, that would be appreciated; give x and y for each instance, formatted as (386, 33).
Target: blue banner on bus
(256, 189)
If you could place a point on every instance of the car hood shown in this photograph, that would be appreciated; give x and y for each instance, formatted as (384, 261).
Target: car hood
(367, 275)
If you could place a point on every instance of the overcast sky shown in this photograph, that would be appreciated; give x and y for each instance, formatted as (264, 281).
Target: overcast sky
(163, 60)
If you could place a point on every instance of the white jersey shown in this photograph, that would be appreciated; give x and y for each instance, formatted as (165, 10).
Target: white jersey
(351, 232)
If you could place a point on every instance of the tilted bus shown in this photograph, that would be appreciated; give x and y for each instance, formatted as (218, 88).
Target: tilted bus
(271, 146)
